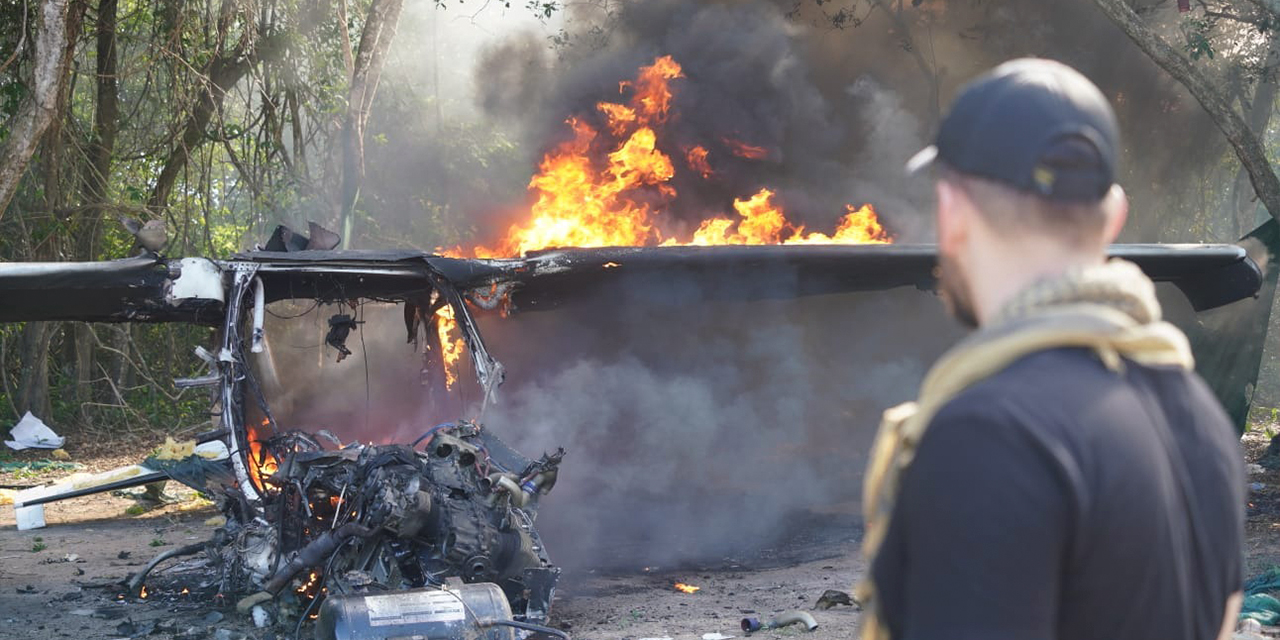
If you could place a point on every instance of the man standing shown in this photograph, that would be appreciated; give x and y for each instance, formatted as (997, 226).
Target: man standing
(1064, 473)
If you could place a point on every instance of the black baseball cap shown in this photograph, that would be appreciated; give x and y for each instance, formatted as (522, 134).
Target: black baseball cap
(1033, 124)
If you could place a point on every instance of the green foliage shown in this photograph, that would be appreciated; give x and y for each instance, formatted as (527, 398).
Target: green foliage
(1196, 32)
(543, 10)
(157, 542)
(38, 545)
(267, 155)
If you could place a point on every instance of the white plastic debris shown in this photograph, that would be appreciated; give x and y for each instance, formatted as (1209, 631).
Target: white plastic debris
(716, 636)
(30, 517)
(31, 432)
(213, 450)
(261, 617)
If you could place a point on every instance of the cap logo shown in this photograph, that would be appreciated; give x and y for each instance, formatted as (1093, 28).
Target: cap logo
(1044, 178)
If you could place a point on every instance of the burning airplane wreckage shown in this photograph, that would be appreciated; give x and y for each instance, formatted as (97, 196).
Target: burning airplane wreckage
(309, 519)
(435, 536)
(440, 531)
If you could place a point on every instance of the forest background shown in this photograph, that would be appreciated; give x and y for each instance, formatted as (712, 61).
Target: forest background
(418, 124)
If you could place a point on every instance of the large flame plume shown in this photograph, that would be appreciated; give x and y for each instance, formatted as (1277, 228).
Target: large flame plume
(610, 185)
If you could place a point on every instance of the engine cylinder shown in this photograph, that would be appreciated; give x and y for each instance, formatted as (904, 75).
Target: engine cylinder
(454, 613)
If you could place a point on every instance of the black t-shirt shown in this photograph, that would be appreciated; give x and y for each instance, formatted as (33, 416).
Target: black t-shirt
(1058, 499)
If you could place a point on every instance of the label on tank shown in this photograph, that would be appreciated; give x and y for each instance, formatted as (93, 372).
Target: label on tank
(414, 608)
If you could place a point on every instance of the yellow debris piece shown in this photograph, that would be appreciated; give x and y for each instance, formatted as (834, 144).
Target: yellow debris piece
(174, 450)
(6, 496)
(216, 521)
(86, 480)
(60, 454)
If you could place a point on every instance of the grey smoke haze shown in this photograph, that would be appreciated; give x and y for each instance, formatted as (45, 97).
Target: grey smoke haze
(695, 431)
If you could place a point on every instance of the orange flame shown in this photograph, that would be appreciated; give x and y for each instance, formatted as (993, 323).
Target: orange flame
(762, 222)
(653, 89)
(262, 464)
(744, 150)
(308, 587)
(620, 117)
(451, 347)
(143, 592)
(697, 159)
(687, 588)
(611, 186)
(859, 226)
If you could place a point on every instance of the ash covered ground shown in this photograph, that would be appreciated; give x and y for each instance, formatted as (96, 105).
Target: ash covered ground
(63, 581)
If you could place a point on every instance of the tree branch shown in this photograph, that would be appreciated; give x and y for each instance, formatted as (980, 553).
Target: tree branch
(1244, 141)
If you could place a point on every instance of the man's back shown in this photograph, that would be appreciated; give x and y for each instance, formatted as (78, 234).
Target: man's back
(1058, 499)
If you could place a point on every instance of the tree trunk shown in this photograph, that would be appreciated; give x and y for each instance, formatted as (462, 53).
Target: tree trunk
(58, 23)
(379, 31)
(93, 185)
(1242, 196)
(97, 168)
(33, 384)
(84, 342)
(1245, 142)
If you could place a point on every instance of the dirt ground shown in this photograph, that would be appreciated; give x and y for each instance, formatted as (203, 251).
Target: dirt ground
(64, 581)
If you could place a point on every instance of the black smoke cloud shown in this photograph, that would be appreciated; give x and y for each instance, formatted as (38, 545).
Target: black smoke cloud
(747, 78)
(840, 110)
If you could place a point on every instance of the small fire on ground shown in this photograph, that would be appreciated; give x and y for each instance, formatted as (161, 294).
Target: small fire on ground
(687, 588)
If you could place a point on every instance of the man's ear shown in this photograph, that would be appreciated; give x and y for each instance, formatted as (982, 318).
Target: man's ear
(1116, 206)
(952, 219)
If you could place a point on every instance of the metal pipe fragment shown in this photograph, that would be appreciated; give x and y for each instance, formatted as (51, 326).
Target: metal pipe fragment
(518, 497)
(313, 554)
(135, 584)
(788, 618)
(784, 619)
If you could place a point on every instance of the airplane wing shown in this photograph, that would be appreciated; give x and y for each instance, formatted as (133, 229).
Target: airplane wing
(1229, 286)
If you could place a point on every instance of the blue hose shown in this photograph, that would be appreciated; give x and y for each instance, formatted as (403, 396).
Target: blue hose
(428, 433)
